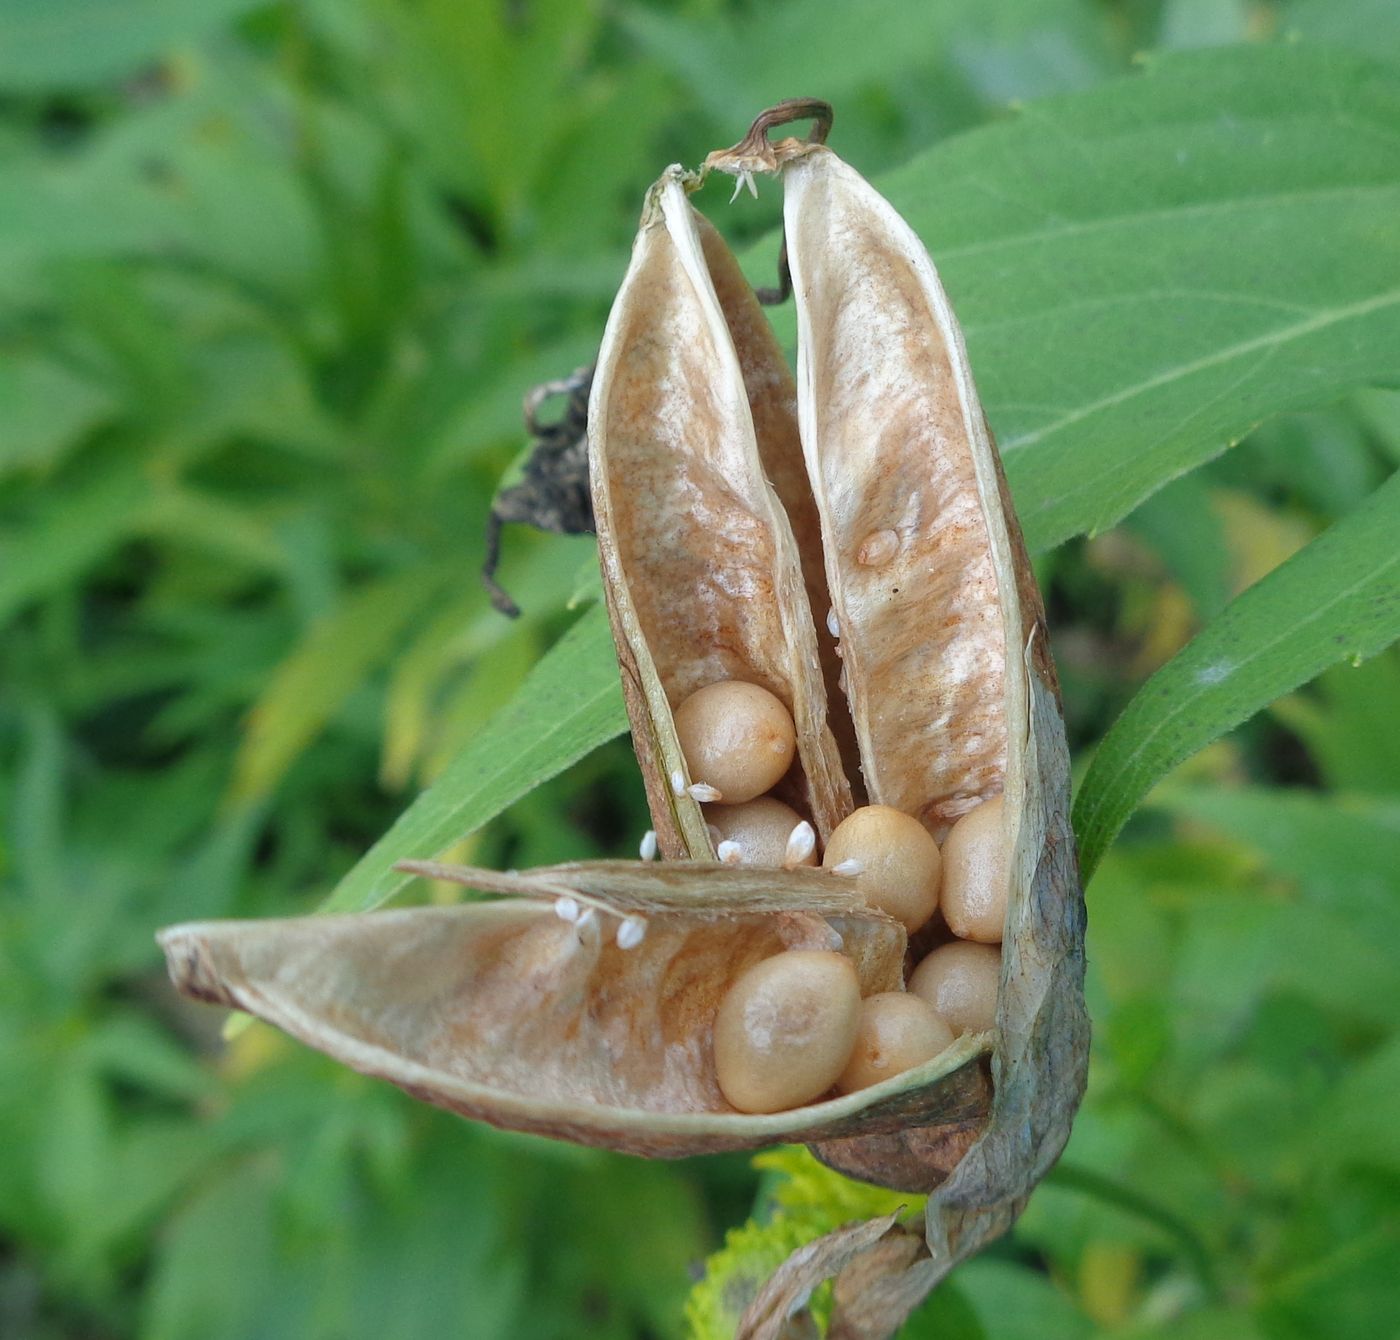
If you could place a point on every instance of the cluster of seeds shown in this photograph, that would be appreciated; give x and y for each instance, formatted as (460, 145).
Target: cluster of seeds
(794, 1026)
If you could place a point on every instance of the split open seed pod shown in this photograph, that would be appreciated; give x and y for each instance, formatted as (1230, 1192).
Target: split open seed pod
(844, 540)
(508, 1012)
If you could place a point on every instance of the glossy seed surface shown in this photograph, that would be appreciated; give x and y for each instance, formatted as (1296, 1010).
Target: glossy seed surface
(959, 980)
(737, 738)
(898, 863)
(896, 1032)
(785, 1030)
(975, 875)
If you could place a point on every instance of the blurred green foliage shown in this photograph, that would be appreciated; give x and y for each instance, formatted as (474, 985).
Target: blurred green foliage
(273, 279)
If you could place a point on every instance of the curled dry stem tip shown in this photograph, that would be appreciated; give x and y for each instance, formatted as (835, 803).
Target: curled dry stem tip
(757, 153)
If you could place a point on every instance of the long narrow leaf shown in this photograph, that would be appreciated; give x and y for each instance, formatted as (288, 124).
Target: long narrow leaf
(337, 655)
(568, 705)
(1337, 599)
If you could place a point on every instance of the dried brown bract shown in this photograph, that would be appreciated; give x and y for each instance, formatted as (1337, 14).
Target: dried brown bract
(838, 548)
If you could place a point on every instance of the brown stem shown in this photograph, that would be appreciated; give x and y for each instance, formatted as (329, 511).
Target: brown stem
(815, 110)
(775, 297)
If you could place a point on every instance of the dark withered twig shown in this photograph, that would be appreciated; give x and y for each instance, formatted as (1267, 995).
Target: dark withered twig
(774, 297)
(553, 495)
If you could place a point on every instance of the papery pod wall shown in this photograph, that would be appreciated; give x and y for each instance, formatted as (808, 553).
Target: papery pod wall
(846, 542)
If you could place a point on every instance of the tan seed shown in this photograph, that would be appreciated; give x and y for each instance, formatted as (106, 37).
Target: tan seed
(785, 1029)
(975, 876)
(896, 1032)
(959, 981)
(759, 828)
(737, 738)
(898, 861)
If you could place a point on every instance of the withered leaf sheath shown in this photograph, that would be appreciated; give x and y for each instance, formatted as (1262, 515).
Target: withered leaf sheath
(734, 508)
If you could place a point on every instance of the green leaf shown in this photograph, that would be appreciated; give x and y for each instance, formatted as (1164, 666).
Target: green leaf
(1349, 725)
(66, 533)
(568, 705)
(1372, 26)
(73, 43)
(733, 66)
(1323, 840)
(1189, 537)
(1014, 1303)
(1337, 598)
(1358, 1127)
(46, 408)
(1146, 270)
(338, 653)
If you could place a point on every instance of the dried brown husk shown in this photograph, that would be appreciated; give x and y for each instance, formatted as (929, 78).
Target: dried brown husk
(702, 574)
(949, 676)
(504, 1012)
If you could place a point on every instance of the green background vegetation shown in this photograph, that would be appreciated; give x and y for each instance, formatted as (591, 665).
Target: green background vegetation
(273, 279)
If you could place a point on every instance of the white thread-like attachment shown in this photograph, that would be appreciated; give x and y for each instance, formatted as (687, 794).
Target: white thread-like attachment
(801, 843)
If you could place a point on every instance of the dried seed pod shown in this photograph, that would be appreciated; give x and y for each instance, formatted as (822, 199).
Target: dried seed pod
(948, 673)
(945, 699)
(504, 1012)
(702, 574)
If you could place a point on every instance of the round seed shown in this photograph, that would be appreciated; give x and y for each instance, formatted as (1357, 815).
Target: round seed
(896, 1032)
(975, 875)
(959, 981)
(785, 1029)
(737, 737)
(759, 829)
(897, 862)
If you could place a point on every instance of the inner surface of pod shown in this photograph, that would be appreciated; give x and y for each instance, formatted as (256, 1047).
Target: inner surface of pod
(703, 575)
(907, 488)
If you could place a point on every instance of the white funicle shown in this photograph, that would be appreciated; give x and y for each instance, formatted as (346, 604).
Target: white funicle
(801, 843)
(631, 932)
